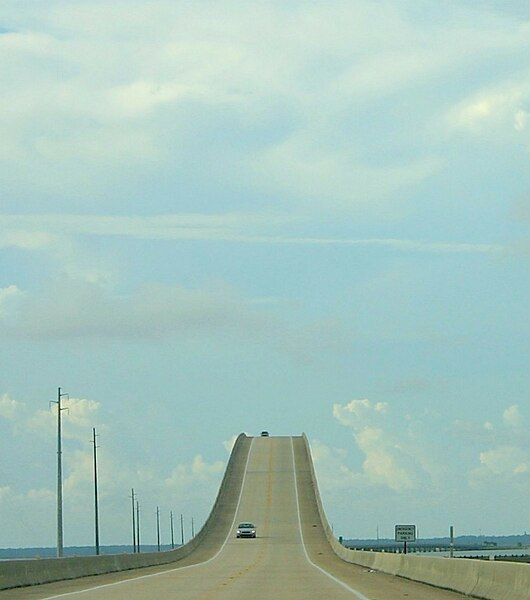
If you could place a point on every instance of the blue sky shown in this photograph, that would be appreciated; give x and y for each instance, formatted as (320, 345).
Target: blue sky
(222, 216)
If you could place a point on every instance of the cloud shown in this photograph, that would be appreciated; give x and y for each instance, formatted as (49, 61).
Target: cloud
(8, 298)
(80, 415)
(388, 461)
(73, 309)
(357, 414)
(189, 487)
(229, 443)
(503, 460)
(493, 432)
(192, 226)
(512, 417)
(26, 240)
(97, 95)
(80, 471)
(503, 105)
(333, 474)
(5, 490)
(198, 472)
(251, 228)
(313, 175)
(385, 462)
(9, 407)
(501, 447)
(41, 494)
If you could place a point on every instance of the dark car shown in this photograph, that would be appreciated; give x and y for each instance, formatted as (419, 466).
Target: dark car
(264, 434)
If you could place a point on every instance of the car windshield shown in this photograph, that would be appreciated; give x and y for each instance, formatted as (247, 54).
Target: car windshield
(246, 526)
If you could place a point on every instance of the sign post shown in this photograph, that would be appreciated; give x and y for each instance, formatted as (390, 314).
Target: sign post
(405, 533)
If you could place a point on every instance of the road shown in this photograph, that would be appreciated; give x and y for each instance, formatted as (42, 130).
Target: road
(290, 559)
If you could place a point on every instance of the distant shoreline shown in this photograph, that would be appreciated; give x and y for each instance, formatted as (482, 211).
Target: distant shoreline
(50, 552)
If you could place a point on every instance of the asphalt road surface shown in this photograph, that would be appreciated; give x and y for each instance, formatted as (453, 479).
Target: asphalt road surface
(290, 559)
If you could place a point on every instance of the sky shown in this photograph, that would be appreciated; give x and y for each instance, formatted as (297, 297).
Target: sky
(225, 216)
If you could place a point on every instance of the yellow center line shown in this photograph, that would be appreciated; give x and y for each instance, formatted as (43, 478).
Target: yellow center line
(264, 547)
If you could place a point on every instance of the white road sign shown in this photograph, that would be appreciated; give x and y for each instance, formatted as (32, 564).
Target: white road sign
(405, 533)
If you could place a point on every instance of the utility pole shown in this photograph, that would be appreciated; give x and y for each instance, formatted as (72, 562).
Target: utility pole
(133, 522)
(158, 528)
(96, 508)
(182, 529)
(137, 526)
(192, 529)
(171, 526)
(60, 396)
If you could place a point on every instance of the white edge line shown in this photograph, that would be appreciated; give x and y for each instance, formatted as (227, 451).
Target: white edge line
(228, 536)
(332, 577)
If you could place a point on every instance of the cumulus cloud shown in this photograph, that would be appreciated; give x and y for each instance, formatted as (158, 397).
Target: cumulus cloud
(500, 431)
(198, 472)
(189, 486)
(200, 468)
(9, 407)
(358, 413)
(387, 461)
(512, 416)
(80, 415)
(501, 461)
(502, 447)
(332, 471)
(229, 443)
(396, 456)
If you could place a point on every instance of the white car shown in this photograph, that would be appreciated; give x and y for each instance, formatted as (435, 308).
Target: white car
(246, 530)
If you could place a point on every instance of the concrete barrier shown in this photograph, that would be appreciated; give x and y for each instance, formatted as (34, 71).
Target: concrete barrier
(488, 580)
(18, 573)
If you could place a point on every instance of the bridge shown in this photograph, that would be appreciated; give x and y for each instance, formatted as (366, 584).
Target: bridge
(270, 482)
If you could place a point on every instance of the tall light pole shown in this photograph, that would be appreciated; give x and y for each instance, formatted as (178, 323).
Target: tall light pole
(60, 409)
(137, 526)
(172, 533)
(96, 508)
(158, 528)
(192, 528)
(134, 539)
(182, 529)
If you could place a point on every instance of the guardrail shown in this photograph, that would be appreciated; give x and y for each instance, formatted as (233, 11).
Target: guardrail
(488, 580)
(18, 573)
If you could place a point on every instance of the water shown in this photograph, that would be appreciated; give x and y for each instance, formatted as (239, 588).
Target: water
(474, 553)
